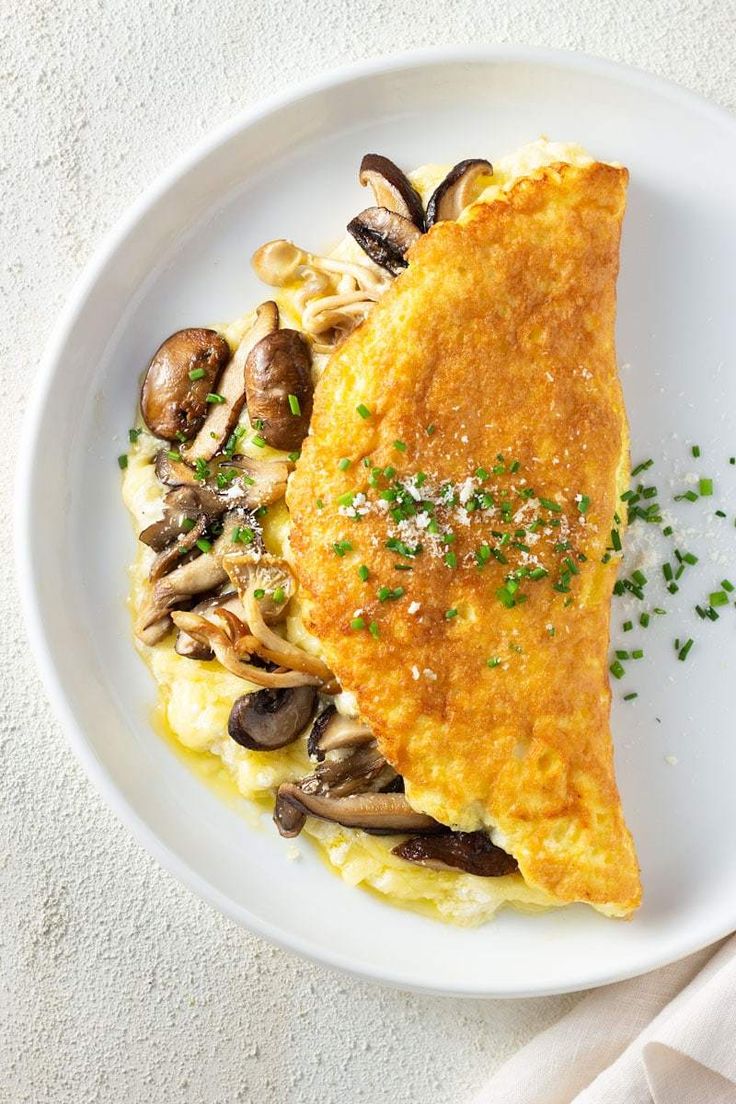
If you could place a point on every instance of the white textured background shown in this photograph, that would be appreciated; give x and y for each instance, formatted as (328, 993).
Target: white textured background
(115, 983)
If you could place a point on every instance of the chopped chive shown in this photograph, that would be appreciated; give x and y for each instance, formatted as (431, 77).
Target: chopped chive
(188, 524)
(430, 430)
(667, 571)
(341, 547)
(294, 456)
(687, 496)
(197, 374)
(363, 573)
(617, 669)
(720, 513)
(549, 504)
(294, 405)
(615, 540)
(673, 588)
(449, 614)
(683, 652)
(690, 558)
(343, 464)
(259, 593)
(695, 450)
(173, 454)
(639, 578)
(123, 461)
(727, 585)
(644, 466)
(638, 653)
(133, 435)
(357, 623)
(705, 486)
(621, 654)
(363, 410)
(279, 595)
(320, 504)
(482, 555)
(481, 473)
(258, 441)
(374, 630)
(450, 558)
(631, 696)
(400, 446)
(584, 503)
(494, 661)
(659, 612)
(538, 573)
(718, 598)
(389, 472)
(667, 531)
(346, 499)
(215, 399)
(627, 626)
(644, 620)
(204, 545)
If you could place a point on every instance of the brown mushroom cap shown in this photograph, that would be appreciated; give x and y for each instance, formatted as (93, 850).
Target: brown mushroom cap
(391, 188)
(385, 236)
(278, 375)
(380, 813)
(332, 731)
(173, 404)
(473, 852)
(266, 720)
(457, 190)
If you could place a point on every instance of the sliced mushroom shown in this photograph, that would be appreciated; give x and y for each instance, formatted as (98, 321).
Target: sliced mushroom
(271, 719)
(198, 576)
(223, 416)
(190, 648)
(332, 730)
(279, 388)
(391, 188)
(234, 647)
(265, 585)
(380, 813)
(363, 770)
(173, 556)
(181, 505)
(173, 404)
(249, 484)
(385, 236)
(473, 852)
(457, 191)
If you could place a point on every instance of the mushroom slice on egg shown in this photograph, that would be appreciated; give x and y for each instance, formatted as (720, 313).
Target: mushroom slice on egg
(182, 372)
(181, 505)
(379, 813)
(198, 576)
(458, 190)
(473, 852)
(223, 415)
(332, 731)
(233, 647)
(248, 484)
(270, 719)
(266, 585)
(279, 388)
(190, 648)
(173, 556)
(385, 236)
(391, 187)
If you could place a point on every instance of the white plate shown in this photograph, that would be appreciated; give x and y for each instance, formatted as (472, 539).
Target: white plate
(180, 257)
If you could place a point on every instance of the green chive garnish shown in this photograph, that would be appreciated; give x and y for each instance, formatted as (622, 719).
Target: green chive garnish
(494, 661)
(294, 405)
(341, 547)
(642, 467)
(683, 652)
(550, 505)
(363, 410)
(259, 593)
(133, 435)
(695, 451)
(583, 504)
(718, 598)
(197, 373)
(430, 430)
(631, 696)
(357, 623)
(258, 441)
(363, 573)
(204, 545)
(450, 559)
(627, 626)
(123, 461)
(617, 669)
(449, 614)
(213, 398)
(687, 496)
(727, 585)
(374, 630)
(343, 464)
(400, 446)
(705, 486)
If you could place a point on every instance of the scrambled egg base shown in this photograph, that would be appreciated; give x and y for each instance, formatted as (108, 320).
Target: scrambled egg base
(195, 698)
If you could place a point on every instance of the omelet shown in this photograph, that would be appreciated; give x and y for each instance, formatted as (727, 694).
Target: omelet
(455, 533)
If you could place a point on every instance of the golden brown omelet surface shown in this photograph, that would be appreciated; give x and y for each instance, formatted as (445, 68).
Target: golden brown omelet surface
(488, 453)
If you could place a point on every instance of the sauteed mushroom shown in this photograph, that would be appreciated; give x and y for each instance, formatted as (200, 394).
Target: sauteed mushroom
(247, 484)
(224, 414)
(332, 730)
(279, 388)
(384, 236)
(271, 719)
(381, 813)
(473, 852)
(457, 190)
(391, 188)
(182, 372)
(190, 648)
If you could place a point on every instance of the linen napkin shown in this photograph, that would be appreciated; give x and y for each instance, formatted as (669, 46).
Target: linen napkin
(666, 1038)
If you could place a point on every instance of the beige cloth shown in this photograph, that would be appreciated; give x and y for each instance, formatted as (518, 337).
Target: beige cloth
(666, 1038)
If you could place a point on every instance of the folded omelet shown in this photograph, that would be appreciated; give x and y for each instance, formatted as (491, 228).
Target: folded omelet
(454, 526)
